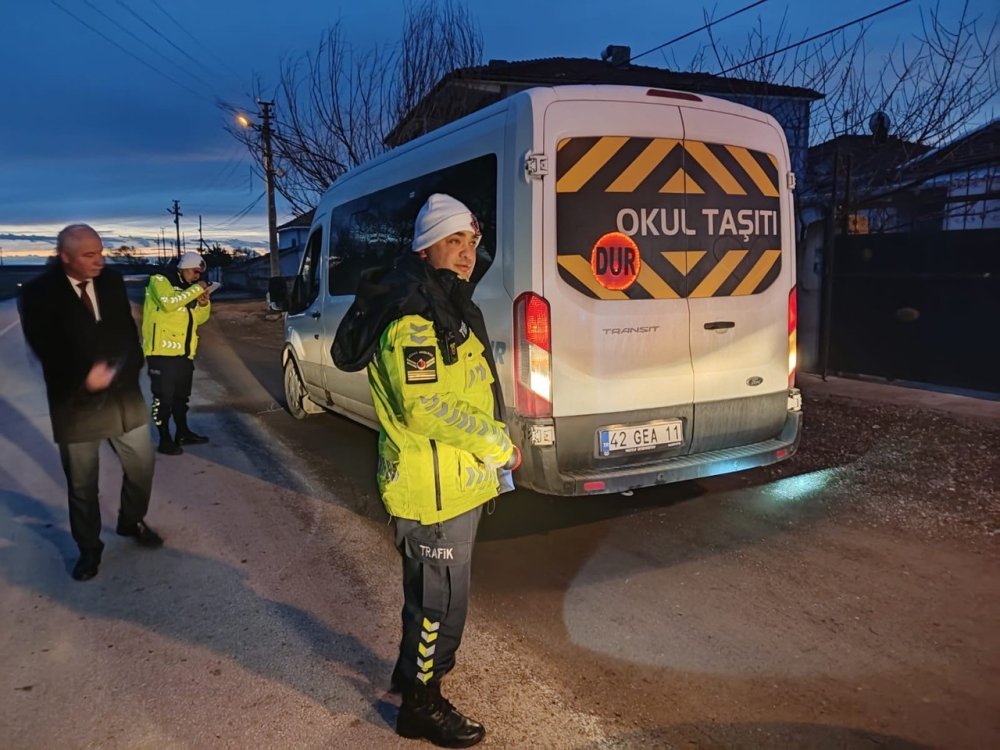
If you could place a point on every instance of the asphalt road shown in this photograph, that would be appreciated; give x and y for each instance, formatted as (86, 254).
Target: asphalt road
(742, 611)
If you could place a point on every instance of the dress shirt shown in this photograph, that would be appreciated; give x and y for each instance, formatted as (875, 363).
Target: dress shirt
(75, 283)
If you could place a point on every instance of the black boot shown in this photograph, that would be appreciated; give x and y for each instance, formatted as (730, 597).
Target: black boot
(167, 444)
(185, 436)
(427, 715)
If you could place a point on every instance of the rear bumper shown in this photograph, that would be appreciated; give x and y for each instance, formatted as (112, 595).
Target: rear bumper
(539, 472)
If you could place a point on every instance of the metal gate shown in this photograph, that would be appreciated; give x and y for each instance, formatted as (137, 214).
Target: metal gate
(921, 307)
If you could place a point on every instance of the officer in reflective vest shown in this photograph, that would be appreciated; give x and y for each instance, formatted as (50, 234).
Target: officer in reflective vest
(177, 302)
(443, 446)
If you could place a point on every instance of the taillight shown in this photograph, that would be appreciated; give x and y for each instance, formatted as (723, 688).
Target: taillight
(532, 356)
(793, 323)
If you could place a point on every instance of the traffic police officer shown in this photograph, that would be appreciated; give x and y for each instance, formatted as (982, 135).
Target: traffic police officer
(177, 302)
(442, 445)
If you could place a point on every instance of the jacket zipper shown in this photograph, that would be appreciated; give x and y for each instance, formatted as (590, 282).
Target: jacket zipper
(437, 475)
(187, 337)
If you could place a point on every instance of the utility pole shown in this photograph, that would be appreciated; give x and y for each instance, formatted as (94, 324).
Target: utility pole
(176, 211)
(201, 239)
(272, 222)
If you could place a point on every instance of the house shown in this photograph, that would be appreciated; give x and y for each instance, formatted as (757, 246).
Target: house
(892, 185)
(466, 90)
(293, 234)
(952, 188)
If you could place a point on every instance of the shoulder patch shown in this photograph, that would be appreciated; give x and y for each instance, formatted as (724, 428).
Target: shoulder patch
(420, 364)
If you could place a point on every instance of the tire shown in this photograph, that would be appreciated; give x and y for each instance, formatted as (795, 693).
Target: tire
(295, 392)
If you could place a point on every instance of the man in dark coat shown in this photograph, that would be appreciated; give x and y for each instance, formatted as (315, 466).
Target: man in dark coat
(77, 319)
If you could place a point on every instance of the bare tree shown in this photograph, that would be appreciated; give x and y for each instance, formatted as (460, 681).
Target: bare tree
(931, 86)
(335, 105)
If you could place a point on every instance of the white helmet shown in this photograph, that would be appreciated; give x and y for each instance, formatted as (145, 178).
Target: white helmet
(191, 260)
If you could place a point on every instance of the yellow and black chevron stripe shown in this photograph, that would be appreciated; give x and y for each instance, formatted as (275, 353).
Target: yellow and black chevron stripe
(705, 216)
(426, 649)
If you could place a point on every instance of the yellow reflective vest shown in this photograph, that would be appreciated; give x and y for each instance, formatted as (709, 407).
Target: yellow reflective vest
(439, 445)
(169, 326)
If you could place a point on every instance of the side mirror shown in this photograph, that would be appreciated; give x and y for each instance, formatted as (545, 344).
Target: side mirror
(279, 293)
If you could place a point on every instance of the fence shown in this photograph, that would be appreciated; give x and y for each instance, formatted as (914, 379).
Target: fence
(921, 307)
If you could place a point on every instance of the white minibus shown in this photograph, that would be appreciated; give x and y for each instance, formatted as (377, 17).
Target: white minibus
(636, 273)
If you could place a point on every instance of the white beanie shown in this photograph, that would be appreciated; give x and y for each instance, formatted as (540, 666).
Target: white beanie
(439, 217)
(191, 260)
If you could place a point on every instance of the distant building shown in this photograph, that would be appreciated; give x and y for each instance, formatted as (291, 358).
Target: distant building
(253, 275)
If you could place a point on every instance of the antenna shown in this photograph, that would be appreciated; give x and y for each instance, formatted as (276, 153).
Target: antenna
(879, 124)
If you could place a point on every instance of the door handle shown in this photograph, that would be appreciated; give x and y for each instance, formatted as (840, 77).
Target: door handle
(316, 315)
(717, 325)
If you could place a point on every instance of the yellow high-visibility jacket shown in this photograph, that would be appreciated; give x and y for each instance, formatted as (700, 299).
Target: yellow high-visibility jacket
(169, 326)
(439, 445)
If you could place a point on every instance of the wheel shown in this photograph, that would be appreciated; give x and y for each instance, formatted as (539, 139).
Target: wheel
(296, 398)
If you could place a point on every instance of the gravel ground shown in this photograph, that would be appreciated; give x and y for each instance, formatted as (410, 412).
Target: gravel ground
(928, 474)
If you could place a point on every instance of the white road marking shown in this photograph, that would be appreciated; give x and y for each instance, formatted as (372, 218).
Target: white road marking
(9, 327)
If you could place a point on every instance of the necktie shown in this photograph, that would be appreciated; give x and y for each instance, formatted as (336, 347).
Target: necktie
(86, 299)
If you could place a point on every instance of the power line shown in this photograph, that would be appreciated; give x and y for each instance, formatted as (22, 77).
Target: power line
(695, 31)
(195, 39)
(123, 49)
(814, 37)
(164, 37)
(141, 42)
(233, 219)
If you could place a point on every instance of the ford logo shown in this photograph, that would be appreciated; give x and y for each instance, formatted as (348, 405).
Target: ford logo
(755, 381)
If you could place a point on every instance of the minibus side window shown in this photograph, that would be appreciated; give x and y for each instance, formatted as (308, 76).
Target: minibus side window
(307, 283)
(374, 230)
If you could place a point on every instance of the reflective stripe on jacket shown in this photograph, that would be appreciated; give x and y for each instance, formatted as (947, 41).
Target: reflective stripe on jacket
(169, 326)
(440, 444)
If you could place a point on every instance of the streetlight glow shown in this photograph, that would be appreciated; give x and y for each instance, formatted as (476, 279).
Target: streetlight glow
(243, 121)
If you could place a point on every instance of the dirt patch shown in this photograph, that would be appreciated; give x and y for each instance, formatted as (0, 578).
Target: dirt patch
(920, 471)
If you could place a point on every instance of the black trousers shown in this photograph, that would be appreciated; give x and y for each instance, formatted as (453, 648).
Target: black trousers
(170, 380)
(80, 465)
(437, 567)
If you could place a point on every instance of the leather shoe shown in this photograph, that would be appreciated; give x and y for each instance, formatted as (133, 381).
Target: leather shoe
(169, 447)
(144, 535)
(86, 567)
(429, 716)
(186, 437)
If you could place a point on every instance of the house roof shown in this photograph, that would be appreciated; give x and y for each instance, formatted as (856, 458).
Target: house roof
(872, 163)
(302, 221)
(876, 167)
(552, 71)
(485, 84)
(978, 148)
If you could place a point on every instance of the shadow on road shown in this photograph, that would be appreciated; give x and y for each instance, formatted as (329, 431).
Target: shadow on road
(200, 602)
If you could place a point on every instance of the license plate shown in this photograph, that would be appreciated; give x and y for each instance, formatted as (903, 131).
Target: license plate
(633, 438)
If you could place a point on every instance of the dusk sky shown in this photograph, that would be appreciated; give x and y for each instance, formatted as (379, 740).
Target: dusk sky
(90, 132)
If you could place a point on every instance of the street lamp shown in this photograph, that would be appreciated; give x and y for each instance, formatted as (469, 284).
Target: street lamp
(265, 135)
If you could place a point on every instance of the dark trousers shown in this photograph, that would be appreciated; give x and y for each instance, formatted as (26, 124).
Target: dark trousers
(170, 380)
(80, 464)
(437, 566)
